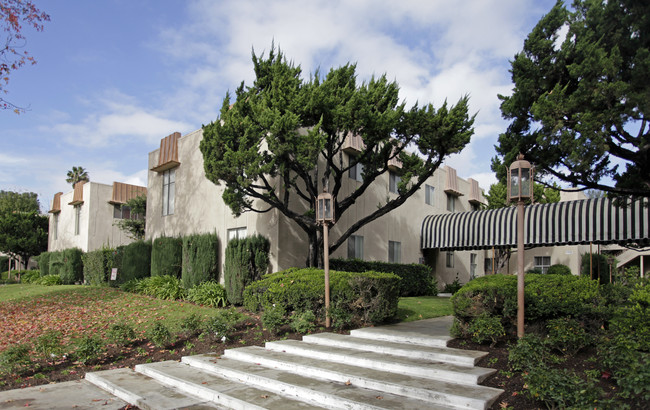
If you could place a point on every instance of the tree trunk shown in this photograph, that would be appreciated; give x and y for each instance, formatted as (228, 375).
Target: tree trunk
(312, 257)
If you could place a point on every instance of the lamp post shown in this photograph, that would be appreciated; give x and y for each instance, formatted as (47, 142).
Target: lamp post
(520, 188)
(610, 261)
(324, 216)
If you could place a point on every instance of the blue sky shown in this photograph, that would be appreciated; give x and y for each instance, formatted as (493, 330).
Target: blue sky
(115, 76)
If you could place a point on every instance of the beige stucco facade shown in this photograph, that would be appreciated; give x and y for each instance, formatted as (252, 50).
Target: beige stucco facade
(95, 220)
(198, 208)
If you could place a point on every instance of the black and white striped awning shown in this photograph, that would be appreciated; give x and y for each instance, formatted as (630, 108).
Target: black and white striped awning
(561, 223)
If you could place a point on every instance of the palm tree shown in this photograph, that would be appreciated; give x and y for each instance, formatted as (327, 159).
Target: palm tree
(77, 174)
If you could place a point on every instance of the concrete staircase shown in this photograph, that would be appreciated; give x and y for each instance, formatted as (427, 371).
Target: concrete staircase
(403, 366)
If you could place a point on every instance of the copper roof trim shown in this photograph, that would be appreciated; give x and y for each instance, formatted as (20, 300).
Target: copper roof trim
(124, 192)
(474, 192)
(168, 154)
(78, 196)
(56, 203)
(451, 186)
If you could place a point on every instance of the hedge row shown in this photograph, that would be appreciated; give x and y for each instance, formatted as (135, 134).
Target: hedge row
(66, 264)
(366, 297)
(247, 259)
(167, 256)
(417, 280)
(200, 261)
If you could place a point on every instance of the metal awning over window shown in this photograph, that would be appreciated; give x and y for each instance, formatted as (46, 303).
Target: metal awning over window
(562, 223)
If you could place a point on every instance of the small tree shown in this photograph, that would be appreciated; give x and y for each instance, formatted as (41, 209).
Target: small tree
(23, 230)
(135, 225)
(247, 260)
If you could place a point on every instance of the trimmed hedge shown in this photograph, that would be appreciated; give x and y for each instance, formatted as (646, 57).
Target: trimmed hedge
(200, 259)
(599, 265)
(247, 259)
(66, 264)
(134, 261)
(416, 278)
(98, 265)
(558, 269)
(368, 297)
(43, 263)
(167, 257)
(546, 297)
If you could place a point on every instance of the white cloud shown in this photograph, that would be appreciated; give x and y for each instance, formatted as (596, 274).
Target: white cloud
(485, 179)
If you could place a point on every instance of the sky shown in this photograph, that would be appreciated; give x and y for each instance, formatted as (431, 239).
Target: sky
(115, 76)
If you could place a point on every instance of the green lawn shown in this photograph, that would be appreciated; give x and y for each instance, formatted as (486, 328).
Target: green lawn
(423, 307)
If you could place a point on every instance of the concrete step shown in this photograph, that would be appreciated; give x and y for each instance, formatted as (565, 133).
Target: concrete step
(339, 394)
(380, 361)
(211, 387)
(435, 354)
(432, 333)
(143, 391)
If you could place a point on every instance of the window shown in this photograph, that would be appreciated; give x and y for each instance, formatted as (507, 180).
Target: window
(393, 180)
(394, 252)
(472, 265)
(121, 212)
(356, 171)
(355, 247)
(237, 233)
(475, 207)
(487, 265)
(428, 195)
(451, 203)
(77, 216)
(169, 190)
(449, 260)
(55, 228)
(542, 263)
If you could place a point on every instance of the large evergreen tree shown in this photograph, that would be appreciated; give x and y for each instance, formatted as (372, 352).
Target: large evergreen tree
(23, 230)
(582, 92)
(274, 143)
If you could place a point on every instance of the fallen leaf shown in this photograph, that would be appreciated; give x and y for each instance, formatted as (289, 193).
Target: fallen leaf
(503, 404)
(265, 396)
(379, 397)
(348, 383)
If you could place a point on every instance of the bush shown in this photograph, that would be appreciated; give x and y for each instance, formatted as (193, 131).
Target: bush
(599, 265)
(485, 327)
(15, 359)
(417, 279)
(136, 261)
(223, 324)
(159, 335)
(49, 345)
(43, 263)
(28, 276)
(246, 261)
(633, 319)
(619, 354)
(97, 266)
(273, 318)
(71, 270)
(453, 287)
(567, 335)
(49, 280)
(208, 294)
(368, 297)
(56, 263)
(167, 257)
(121, 334)
(191, 324)
(89, 348)
(530, 352)
(558, 269)
(161, 287)
(200, 259)
(560, 388)
(304, 322)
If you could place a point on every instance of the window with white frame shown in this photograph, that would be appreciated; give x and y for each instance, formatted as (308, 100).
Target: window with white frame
(472, 265)
(393, 180)
(428, 194)
(121, 211)
(355, 247)
(487, 265)
(542, 263)
(449, 259)
(55, 228)
(237, 233)
(451, 203)
(394, 252)
(169, 191)
(355, 171)
(77, 217)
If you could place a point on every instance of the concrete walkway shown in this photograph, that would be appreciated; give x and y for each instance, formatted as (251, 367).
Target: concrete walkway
(400, 366)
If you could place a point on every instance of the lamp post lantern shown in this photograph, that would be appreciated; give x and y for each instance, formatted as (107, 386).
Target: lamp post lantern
(325, 216)
(520, 188)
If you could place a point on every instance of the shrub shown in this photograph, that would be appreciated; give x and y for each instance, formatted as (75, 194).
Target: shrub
(159, 335)
(619, 354)
(43, 263)
(89, 348)
(71, 270)
(485, 327)
(28, 276)
(560, 388)
(49, 280)
(191, 324)
(599, 265)
(136, 261)
(303, 322)
(121, 334)
(274, 317)
(97, 266)
(15, 359)
(208, 293)
(633, 320)
(417, 279)
(558, 269)
(567, 335)
(530, 351)
(223, 324)
(161, 287)
(167, 257)
(453, 287)
(368, 297)
(200, 259)
(48, 345)
(246, 261)
(56, 263)
(130, 286)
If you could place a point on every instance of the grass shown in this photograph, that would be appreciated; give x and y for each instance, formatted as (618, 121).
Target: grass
(28, 311)
(423, 307)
